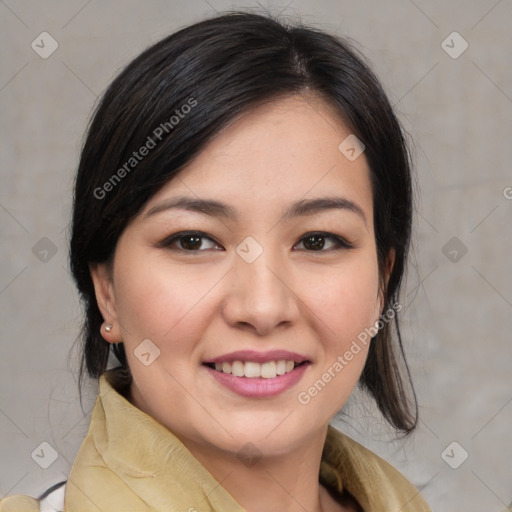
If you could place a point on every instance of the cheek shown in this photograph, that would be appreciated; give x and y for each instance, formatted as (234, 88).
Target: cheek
(346, 301)
(342, 306)
(156, 299)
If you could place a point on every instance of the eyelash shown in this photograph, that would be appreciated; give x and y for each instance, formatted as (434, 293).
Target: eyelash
(169, 241)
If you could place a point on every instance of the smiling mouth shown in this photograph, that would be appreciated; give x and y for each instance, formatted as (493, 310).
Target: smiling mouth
(254, 370)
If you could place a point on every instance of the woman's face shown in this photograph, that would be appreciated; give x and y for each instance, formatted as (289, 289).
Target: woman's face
(259, 258)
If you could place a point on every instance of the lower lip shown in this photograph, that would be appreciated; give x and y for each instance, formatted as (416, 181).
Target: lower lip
(259, 387)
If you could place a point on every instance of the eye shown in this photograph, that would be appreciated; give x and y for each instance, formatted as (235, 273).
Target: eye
(189, 241)
(321, 241)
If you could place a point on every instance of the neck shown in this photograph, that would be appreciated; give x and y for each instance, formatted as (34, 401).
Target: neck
(273, 483)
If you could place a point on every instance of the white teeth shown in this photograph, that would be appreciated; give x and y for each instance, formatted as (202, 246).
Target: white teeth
(268, 370)
(237, 369)
(281, 367)
(252, 370)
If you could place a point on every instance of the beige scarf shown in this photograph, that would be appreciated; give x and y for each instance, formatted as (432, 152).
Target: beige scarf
(129, 462)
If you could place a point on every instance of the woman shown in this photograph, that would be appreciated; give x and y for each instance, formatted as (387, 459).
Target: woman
(241, 226)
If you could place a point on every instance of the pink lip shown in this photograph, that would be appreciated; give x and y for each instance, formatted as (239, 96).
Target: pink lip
(258, 387)
(259, 357)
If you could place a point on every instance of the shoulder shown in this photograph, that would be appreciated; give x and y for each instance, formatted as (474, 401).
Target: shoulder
(373, 481)
(19, 503)
(52, 500)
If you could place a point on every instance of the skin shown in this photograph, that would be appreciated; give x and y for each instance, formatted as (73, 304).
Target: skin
(198, 305)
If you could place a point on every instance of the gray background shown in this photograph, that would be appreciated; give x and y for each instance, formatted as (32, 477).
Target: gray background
(458, 314)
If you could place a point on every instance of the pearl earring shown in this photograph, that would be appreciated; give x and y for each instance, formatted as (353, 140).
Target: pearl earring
(108, 327)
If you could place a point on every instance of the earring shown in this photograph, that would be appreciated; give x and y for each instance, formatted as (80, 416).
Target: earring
(108, 327)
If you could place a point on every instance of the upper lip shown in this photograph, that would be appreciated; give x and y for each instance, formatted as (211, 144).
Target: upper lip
(258, 357)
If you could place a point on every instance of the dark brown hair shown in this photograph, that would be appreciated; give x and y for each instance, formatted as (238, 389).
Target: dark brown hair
(220, 68)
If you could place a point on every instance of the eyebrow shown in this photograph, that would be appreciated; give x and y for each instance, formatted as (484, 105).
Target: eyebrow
(214, 208)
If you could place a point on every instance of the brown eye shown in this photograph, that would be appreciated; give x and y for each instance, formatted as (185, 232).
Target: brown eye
(314, 242)
(189, 242)
(323, 242)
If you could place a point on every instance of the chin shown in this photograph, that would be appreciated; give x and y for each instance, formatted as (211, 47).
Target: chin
(253, 437)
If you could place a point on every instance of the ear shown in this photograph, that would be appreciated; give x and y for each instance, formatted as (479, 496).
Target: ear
(388, 268)
(105, 297)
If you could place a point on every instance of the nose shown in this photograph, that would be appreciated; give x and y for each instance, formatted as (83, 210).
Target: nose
(259, 298)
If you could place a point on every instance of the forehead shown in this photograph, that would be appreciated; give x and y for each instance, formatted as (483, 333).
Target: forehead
(278, 152)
